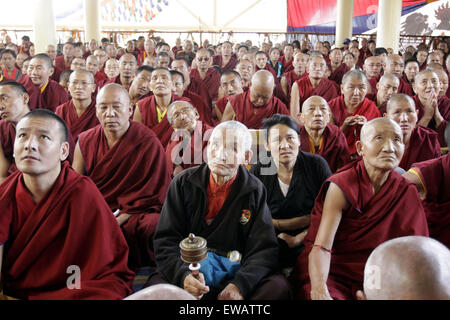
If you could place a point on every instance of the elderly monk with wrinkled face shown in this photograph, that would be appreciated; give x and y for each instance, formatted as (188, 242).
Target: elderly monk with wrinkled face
(13, 106)
(49, 213)
(257, 103)
(318, 136)
(420, 143)
(112, 68)
(246, 69)
(186, 150)
(407, 268)
(231, 213)
(360, 207)
(79, 112)
(126, 161)
(352, 109)
(315, 84)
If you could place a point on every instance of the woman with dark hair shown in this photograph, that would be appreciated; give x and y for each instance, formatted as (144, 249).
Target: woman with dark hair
(292, 180)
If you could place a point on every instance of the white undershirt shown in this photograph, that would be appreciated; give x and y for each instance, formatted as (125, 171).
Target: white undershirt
(284, 187)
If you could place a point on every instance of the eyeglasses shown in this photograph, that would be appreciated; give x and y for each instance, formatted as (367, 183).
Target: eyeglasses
(203, 59)
(82, 83)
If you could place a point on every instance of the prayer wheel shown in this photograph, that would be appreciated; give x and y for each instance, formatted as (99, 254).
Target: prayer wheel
(193, 250)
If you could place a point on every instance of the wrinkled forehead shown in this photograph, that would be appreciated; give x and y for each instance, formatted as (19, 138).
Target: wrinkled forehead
(383, 128)
(428, 75)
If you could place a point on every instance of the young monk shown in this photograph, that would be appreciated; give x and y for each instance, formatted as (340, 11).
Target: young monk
(79, 112)
(315, 84)
(13, 106)
(152, 111)
(230, 84)
(257, 103)
(51, 213)
(420, 143)
(385, 88)
(357, 209)
(299, 64)
(44, 92)
(337, 67)
(126, 162)
(317, 136)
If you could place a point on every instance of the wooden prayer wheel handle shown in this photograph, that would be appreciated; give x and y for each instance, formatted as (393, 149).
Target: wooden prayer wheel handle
(193, 250)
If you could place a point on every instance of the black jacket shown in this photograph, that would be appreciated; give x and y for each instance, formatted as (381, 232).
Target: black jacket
(184, 212)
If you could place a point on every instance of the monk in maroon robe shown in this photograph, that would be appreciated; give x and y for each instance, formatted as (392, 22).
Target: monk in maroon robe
(203, 110)
(372, 68)
(127, 69)
(226, 60)
(13, 106)
(253, 106)
(433, 112)
(395, 65)
(365, 204)
(230, 84)
(420, 143)
(44, 92)
(246, 69)
(63, 62)
(287, 59)
(59, 238)
(431, 178)
(206, 74)
(126, 161)
(299, 64)
(314, 85)
(351, 110)
(152, 111)
(192, 136)
(139, 88)
(319, 137)
(385, 88)
(79, 112)
(337, 68)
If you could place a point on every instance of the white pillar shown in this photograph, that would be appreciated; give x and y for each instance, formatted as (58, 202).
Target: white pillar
(344, 22)
(388, 28)
(91, 20)
(44, 25)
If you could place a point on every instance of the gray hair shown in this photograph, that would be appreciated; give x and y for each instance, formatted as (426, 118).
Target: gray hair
(241, 131)
(172, 105)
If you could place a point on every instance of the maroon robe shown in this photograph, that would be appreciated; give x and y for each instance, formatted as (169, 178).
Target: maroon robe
(338, 73)
(211, 81)
(444, 110)
(252, 116)
(142, 55)
(56, 74)
(199, 88)
(366, 108)
(132, 176)
(100, 77)
(77, 125)
(326, 89)
(217, 60)
(189, 153)
(115, 80)
(405, 88)
(423, 145)
(60, 63)
(204, 111)
(149, 116)
(291, 77)
(436, 176)
(71, 226)
(395, 211)
(286, 64)
(53, 95)
(7, 138)
(333, 147)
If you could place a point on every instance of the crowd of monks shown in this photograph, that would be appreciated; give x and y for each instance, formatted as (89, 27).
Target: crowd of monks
(315, 165)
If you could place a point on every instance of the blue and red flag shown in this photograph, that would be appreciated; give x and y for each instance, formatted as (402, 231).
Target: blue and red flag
(319, 16)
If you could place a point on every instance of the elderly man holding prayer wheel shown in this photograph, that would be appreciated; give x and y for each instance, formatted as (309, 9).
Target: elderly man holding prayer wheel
(224, 204)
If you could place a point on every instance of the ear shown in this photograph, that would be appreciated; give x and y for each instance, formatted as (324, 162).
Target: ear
(64, 151)
(359, 148)
(378, 85)
(52, 70)
(26, 98)
(360, 295)
(248, 156)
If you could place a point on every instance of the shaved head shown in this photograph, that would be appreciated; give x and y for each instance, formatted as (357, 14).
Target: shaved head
(397, 98)
(115, 88)
(372, 125)
(408, 268)
(261, 88)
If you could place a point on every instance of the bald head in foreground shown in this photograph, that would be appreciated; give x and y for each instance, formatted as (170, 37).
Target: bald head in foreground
(163, 291)
(257, 103)
(368, 201)
(407, 268)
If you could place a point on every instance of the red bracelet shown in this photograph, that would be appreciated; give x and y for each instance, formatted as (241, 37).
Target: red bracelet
(321, 247)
